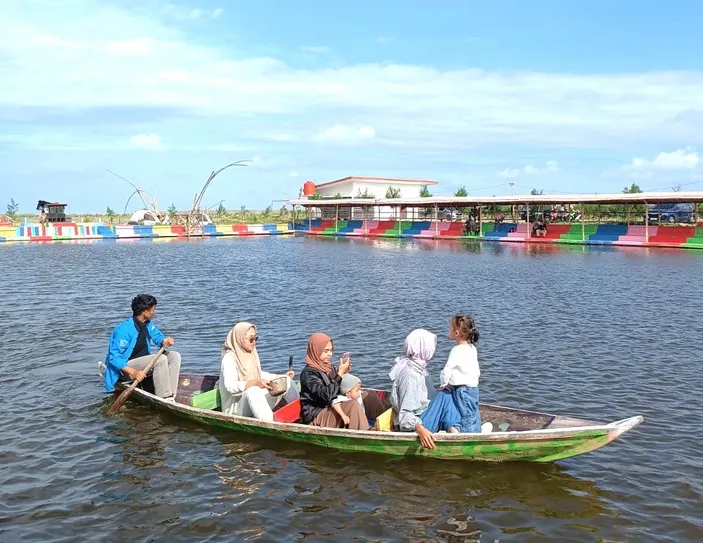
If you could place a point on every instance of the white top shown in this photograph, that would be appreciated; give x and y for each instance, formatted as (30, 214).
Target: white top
(341, 398)
(231, 387)
(462, 367)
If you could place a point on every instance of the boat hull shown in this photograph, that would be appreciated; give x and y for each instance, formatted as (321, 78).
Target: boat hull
(542, 445)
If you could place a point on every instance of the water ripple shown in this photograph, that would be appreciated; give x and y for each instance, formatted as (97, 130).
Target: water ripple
(596, 332)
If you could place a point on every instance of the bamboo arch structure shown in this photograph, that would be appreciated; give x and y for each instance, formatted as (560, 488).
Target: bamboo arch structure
(193, 222)
(148, 200)
(192, 219)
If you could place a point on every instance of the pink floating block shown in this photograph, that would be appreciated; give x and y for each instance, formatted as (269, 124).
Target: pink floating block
(628, 243)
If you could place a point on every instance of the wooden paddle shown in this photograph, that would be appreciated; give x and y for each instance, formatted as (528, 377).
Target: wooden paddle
(123, 397)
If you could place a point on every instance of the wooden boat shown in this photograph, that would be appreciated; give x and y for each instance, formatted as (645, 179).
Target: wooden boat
(519, 435)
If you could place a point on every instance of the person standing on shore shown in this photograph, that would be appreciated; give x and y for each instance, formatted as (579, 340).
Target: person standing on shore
(129, 351)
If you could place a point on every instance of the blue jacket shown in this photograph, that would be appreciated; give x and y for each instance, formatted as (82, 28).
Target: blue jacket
(122, 342)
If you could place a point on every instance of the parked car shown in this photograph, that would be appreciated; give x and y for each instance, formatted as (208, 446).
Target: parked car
(449, 214)
(672, 212)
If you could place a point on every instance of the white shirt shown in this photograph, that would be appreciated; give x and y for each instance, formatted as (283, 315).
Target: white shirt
(232, 387)
(462, 367)
(342, 398)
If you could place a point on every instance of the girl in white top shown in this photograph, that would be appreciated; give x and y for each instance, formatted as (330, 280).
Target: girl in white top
(461, 373)
(244, 387)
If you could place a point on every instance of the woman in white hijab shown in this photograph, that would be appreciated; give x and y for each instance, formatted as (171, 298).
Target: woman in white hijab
(417, 406)
(244, 388)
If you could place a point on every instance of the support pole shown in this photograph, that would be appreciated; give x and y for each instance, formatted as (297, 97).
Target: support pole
(583, 222)
(646, 223)
(400, 220)
(336, 218)
(436, 220)
(527, 216)
(309, 219)
(695, 214)
(480, 223)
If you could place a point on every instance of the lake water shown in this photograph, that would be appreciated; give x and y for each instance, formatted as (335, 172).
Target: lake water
(600, 333)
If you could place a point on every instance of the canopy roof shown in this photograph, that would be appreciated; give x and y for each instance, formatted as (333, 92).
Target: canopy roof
(458, 201)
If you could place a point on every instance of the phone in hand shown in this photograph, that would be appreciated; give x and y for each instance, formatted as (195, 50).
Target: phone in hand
(290, 363)
(346, 357)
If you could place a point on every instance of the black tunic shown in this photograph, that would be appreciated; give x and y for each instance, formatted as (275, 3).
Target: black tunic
(317, 391)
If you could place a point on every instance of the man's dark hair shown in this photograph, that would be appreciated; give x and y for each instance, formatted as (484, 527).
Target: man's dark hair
(141, 303)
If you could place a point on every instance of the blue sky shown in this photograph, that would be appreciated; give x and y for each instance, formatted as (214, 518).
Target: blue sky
(564, 96)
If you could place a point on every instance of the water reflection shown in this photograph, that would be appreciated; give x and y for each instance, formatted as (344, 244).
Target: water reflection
(414, 497)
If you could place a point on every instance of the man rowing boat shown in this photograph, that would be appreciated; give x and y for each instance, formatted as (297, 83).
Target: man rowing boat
(129, 351)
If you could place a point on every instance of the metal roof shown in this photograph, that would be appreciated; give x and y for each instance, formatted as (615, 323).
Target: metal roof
(380, 179)
(458, 201)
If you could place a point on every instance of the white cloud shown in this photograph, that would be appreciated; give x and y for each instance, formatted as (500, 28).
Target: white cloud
(98, 56)
(137, 46)
(679, 160)
(315, 49)
(146, 141)
(509, 173)
(187, 13)
(551, 166)
(345, 134)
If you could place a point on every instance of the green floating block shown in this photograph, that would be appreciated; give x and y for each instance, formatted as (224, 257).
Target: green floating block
(504, 426)
(207, 400)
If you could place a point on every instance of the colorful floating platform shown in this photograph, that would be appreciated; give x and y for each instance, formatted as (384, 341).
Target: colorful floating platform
(688, 237)
(95, 231)
(644, 232)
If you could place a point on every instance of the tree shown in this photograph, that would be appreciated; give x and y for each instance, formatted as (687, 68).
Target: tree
(627, 210)
(12, 209)
(338, 196)
(461, 192)
(221, 210)
(172, 209)
(110, 213)
(392, 192)
(366, 195)
(676, 188)
(316, 196)
(425, 192)
(535, 192)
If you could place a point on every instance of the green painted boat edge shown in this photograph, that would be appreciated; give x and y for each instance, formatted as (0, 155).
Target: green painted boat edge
(546, 445)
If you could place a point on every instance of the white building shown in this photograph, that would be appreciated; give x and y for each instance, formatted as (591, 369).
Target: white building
(373, 187)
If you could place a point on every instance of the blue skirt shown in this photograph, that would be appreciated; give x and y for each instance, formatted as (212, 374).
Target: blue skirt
(466, 402)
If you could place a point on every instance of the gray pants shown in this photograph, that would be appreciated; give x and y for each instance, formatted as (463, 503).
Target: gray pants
(166, 372)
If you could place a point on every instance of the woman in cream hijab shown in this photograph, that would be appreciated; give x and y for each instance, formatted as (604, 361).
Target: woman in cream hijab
(244, 387)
